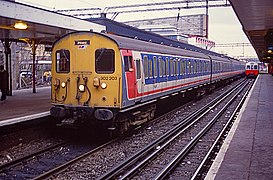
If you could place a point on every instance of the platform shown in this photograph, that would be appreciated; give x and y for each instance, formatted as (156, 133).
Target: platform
(24, 103)
(248, 150)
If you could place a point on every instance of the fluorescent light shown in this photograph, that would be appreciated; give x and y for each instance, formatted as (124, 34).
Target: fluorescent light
(20, 25)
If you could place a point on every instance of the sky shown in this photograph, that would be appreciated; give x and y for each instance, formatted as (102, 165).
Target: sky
(224, 27)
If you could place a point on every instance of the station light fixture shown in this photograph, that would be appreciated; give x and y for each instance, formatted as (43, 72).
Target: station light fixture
(20, 25)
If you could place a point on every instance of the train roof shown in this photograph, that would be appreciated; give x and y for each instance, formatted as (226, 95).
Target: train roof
(135, 44)
(140, 45)
(252, 62)
(121, 29)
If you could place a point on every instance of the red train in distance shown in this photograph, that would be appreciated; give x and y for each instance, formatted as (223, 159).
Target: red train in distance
(252, 69)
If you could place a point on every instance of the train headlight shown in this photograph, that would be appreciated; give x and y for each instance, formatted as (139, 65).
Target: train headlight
(103, 85)
(81, 88)
(63, 84)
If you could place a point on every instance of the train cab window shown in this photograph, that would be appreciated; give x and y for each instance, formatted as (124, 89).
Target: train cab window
(105, 61)
(62, 61)
(255, 67)
(128, 63)
(248, 67)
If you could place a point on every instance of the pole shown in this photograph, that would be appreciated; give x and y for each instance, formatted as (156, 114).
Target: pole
(207, 18)
(33, 65)
(10, 75)
(8, 67)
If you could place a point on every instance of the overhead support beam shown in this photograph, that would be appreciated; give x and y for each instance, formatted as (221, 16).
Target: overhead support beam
(161, 6)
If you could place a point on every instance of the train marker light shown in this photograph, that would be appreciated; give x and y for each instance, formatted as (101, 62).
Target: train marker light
(103, 85)
(63, 84)
(96, 82)
(56, 84)
(81, 88)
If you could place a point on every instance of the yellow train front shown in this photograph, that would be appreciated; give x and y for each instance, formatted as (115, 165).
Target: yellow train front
(86, 79)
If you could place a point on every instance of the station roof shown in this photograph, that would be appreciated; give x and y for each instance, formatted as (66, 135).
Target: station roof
(256, 17)
(43, 25)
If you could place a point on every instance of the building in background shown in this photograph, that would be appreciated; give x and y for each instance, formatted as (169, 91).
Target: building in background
(188, 29)
(191, 25)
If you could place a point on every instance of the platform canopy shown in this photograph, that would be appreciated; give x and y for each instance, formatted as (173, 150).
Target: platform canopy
(256, 17)
(42, 25)
(20, 22)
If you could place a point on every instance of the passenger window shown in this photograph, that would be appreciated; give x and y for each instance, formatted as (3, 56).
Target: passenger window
(182, 67)
(128, 63)
(161, 67)
(150, 68)
(62, 61)
(105, 61)
(167, 66)
(171, 67)
(194, 67)
(189, 67)
(176, 66)
(146, 67)
(155, 66)
(138, 74)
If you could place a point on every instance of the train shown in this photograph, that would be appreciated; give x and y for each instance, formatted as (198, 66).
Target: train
(252, 69)
(115, 82)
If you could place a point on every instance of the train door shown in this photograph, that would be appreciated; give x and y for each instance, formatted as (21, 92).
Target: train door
(129, 69)
(139, 79)
(162, 79)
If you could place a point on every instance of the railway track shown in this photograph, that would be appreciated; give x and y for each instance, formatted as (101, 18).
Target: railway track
(130, 167)
(184, 150)
(36, 163)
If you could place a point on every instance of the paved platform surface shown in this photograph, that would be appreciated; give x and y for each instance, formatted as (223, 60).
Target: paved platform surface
(25, 102)
(250, 152)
